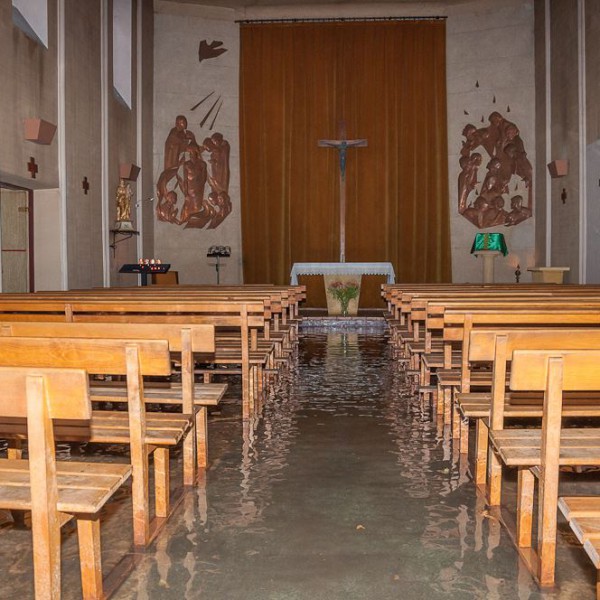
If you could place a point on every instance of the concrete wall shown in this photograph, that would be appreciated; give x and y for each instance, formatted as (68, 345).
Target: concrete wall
(146, 152)
(487, 41)
(564, 142)
(83, 106)
(181, 81)
(490, 44)
(94, 145)
(592, 132)
(494, 43)
(28, 72)
(542, 215)
(572, 132)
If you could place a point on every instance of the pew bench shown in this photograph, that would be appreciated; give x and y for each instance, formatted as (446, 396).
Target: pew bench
(458, 323)
(55, 492)
(242, 315)
(193, 398)
(151, 434)
(495, 346)
(583, 515)
(539, 453)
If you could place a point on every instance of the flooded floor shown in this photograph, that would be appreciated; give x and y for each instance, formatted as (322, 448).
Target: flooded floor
(345, 488)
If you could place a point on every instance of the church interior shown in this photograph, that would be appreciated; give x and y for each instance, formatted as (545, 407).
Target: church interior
(299, 299)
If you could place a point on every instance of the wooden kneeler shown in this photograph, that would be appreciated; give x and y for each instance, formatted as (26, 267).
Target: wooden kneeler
(55, 492)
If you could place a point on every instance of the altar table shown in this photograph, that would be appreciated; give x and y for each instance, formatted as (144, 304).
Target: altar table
(348, 268)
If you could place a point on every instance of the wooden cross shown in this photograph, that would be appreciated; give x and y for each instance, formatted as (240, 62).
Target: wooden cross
(341, 146)
(85, 184)
(32, 167)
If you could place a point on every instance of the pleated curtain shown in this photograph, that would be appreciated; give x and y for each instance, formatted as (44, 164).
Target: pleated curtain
(386, 82)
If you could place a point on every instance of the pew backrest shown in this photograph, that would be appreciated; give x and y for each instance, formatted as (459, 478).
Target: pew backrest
(498, 345)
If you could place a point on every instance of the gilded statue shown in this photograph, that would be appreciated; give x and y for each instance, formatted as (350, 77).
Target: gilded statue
(124, 195)
(506, 167)
(195, 177)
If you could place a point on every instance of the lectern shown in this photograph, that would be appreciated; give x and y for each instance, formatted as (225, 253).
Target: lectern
(488, 246)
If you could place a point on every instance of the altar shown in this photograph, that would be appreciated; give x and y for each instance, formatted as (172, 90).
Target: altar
(342, 273)
(347, 268)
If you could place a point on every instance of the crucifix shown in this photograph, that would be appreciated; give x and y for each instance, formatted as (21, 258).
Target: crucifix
(341, 146)
(32, 167)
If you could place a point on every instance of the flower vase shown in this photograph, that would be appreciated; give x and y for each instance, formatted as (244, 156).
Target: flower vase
(334, 306)
(344, 305)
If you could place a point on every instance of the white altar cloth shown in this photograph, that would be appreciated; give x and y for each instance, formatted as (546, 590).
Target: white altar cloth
(375, 268)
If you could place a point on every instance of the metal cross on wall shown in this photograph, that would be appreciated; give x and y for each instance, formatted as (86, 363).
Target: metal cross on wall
(342, 145)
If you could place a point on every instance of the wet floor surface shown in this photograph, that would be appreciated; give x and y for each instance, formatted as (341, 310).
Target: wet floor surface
(345, 488)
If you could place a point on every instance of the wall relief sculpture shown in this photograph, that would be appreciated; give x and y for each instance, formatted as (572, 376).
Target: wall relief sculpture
(193, 188)
(499, 147)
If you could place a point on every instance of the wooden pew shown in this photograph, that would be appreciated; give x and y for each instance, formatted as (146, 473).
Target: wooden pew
(409, 299)
(583, 516)
(458, 323)
(182, 339)
(242, 315)
(54, 491)
(495, 346)
(252, 362)
(428, 352)
(540, 453)
(152, 433)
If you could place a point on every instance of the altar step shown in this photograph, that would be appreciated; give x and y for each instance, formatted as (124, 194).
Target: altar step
(318, 317)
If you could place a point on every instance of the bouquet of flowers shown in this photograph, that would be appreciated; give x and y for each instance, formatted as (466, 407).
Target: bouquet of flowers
(344, 292)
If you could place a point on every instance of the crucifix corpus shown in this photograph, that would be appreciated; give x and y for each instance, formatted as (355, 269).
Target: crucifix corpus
(341, 146)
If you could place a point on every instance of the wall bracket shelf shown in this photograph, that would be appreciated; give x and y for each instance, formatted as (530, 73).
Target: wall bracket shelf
(120, 235)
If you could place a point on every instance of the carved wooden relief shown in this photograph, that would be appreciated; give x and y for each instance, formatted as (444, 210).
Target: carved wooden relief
(500, 149)
(193, 188)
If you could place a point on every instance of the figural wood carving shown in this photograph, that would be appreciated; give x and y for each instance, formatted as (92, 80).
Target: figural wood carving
(193, 188)
(499, 147)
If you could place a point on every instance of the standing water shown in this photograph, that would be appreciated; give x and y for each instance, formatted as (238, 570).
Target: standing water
(345, 487)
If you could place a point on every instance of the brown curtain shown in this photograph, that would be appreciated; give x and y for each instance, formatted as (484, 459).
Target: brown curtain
(386, 80)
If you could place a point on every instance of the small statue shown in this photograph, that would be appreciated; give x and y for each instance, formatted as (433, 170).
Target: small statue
(124, 195)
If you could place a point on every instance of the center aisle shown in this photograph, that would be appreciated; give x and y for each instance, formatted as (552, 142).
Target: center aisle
(344, 490)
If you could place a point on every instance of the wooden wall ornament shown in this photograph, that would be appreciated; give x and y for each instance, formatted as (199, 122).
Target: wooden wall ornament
(212, 50)
(129, 171)
(506, 162)
(187, 180)
(32, 167)
(39, 131)
(218, 104)
(558, 168)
